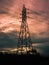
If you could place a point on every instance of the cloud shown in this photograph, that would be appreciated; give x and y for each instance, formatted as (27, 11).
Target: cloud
(38, 15)
(3, 12)
(5, 6)
(40, 40)
(6, 41)
(9, 40)
(34, 12)
(14, 35)
(6, 2)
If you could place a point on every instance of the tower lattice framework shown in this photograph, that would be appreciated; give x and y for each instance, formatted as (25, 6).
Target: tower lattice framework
(24, 35)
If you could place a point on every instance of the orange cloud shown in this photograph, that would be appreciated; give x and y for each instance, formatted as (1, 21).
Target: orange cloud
(9, 19)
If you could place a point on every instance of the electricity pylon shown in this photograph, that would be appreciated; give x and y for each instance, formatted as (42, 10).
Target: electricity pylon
(24, 35)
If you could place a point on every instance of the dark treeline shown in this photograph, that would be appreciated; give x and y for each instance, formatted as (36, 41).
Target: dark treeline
(23, 58)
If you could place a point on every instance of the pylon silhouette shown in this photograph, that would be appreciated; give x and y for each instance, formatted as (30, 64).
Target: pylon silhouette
(24, 35)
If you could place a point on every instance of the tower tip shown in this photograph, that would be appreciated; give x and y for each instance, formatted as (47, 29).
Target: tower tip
(23, 5)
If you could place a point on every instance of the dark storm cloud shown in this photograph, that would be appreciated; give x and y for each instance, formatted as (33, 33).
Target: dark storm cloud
(40, 40)
(34, 39)
(6, 41)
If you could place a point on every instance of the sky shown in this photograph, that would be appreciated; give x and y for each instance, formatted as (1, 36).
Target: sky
(10, 20)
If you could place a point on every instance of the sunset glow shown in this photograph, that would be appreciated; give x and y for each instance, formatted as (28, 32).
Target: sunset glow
(37, 19)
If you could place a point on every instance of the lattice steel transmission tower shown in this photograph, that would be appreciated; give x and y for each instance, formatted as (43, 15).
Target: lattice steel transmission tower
(24, 35)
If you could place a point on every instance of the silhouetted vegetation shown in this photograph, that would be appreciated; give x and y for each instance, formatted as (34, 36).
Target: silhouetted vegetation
(34, 58)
